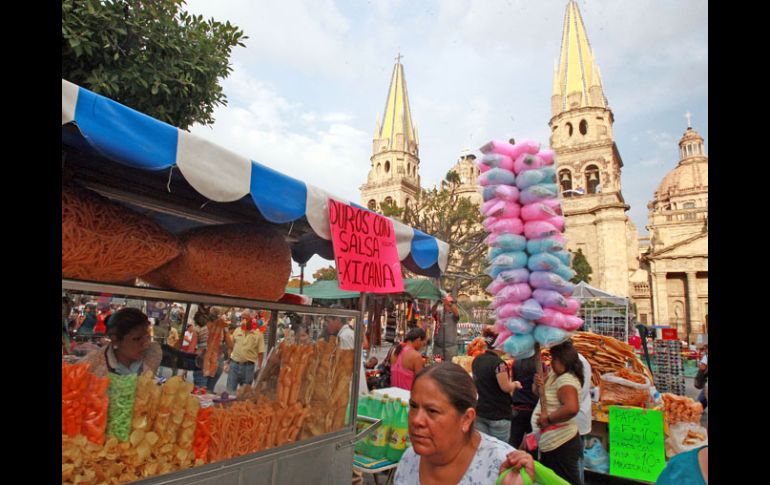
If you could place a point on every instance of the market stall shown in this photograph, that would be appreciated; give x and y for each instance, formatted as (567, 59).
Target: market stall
(602, 312)
(155, 214)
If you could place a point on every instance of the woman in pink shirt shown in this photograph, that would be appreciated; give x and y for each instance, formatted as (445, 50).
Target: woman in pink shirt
(406, 361)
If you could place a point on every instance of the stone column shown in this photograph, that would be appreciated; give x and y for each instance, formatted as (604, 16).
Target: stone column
(693, 311)
(660, 298)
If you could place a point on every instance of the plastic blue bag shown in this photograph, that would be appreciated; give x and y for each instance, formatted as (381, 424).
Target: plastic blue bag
(545, 175)
(536, 193)
(565, 272)
(519, 326)
(508, 242)
(564, 256)
(545, 245)
(543, 262)
(595, 457)
(507, 261)
(550, 336)
(497, 176)
(520, 346)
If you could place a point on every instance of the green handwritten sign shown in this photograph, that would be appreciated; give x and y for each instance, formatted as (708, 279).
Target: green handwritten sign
(636, 443)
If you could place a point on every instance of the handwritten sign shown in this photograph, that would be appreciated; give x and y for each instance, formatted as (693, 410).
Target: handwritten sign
(636, 443)
(365, 250)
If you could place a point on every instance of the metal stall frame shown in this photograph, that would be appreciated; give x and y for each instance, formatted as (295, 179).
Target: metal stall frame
(317, 460)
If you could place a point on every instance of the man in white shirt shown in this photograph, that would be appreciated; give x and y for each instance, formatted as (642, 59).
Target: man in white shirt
(583, 417)
(346, 340)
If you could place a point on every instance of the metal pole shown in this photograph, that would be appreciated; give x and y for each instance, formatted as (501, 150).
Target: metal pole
(301, 278)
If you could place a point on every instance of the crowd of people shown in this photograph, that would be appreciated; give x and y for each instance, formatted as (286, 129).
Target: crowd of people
(463, 429)
(120, 339)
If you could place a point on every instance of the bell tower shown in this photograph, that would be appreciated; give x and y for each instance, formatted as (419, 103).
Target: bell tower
(588, 162)
(394, 176)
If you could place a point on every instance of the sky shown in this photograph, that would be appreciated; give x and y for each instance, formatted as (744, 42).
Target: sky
(305, 93)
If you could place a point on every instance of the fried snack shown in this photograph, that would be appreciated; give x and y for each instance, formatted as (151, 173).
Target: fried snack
(222, 260)
(679, 409)
(211, 358)
(630, 376)
(605, 354)
(343, 374)
(84, 402)
(121, 391)
(105, 241)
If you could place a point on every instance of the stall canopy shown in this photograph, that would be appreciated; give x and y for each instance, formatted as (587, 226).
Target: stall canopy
(584, 291)
(329, 290)
(149, 153)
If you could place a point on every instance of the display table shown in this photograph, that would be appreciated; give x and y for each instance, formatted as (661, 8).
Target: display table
(392, 392)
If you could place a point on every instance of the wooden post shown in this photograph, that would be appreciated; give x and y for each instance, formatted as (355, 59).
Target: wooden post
(540, 372)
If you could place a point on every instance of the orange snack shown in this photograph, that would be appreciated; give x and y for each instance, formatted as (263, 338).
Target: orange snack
(245, 260)
(105, 241)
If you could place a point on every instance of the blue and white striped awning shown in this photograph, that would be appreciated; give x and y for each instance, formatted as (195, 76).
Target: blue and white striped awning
(134, 139)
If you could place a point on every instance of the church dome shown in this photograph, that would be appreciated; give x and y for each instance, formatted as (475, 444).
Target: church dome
(691, 173)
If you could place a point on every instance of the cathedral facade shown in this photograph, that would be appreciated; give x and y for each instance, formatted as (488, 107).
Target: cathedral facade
(667, 280)
(589, 165)
(671, 286)
(394, 175)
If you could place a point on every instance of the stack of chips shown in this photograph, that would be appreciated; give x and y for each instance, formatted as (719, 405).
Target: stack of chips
(529, 264)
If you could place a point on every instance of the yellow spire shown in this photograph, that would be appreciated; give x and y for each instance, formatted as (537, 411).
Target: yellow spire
(398, 117)
(577, 72)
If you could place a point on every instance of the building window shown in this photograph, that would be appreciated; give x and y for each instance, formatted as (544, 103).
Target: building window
(388, 200)
(387, 167)
(643, 319)
(565, 181)
(379, 168)
(372, 205)
(569, 129)
(409, 169)
(592, 179)
(583, 127)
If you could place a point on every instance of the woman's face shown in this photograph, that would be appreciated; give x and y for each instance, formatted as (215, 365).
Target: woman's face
(134, 343)
(558, 367)
(419, 344)
(303, 337)
(435, 426)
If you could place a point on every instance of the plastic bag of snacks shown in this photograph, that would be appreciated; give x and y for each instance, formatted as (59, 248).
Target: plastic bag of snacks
(625, 388)
(121, 391)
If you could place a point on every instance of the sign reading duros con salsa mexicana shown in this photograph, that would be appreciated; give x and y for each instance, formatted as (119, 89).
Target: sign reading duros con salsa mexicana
(365, 250)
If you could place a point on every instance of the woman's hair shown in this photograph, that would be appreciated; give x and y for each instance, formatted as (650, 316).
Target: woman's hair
(122, 322)
(568, 356)
(528, 366)
(489, 334)
(412, 335)
(454, 382)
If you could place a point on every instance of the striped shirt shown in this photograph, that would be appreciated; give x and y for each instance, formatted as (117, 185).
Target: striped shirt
(551, 440)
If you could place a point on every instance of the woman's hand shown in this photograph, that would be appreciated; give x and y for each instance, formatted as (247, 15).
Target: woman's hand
(543, 421)
(517, 460)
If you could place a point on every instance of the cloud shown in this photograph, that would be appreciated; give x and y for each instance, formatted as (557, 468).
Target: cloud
(307, 90)
(283, 135)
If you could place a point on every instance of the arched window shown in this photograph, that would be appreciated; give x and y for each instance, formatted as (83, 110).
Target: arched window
(409, 169)
(569, 128)
(407, 202)
(372, 205)
(387, 167)
(592, 178)
(565, 180)
(389, 200)
(379, 168)
(583, 127)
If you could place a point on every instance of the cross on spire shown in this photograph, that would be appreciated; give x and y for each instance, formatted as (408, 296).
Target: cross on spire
(688, 115)
(398, 59)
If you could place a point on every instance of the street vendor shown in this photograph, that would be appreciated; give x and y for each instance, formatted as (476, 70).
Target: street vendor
(131, 350)
(445, 343)
(495, 386)
(246, 356)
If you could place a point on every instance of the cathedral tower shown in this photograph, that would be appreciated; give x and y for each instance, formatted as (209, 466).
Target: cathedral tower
(394, 176)
(588, 163)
